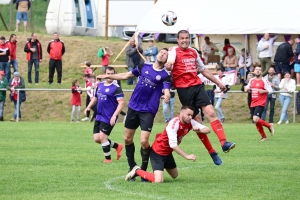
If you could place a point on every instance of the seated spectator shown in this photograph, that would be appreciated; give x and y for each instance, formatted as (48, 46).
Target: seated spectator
(17, 82)
(88, 70)
(226, 47)
(151, 52)
(3, 85)
(230, 62)
(245, 64)
(105, 58)
(287, 86)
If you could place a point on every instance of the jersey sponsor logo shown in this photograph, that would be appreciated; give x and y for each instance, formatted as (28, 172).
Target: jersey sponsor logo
(146, 72)
(107, 89)
(158, 77)
(149, 129)
(147, 82)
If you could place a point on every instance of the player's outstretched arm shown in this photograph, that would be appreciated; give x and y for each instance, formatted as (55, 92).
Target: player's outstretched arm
(199, 128)
(92, 102)
(121, 76)
(183, 154)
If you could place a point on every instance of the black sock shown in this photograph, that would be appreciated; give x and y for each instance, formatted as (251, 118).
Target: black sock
(145, 153)
(106, 150)
(130, 149)
(113, 144)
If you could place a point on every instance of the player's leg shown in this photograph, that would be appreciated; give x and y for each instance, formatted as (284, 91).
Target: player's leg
(170, 166)
(105, 130)
(131, 124)
(146, 123)
(186, 97)
(257, 111)
(118, 146)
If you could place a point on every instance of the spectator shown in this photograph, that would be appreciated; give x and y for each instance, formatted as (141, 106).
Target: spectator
(274, 82)
(12, 43)
(105, 58)
(3, 85)
(245, 64)
(226, 47)
(230, 62)
(76, 100)
(287, 87)
(33, 48)
(17, 82)
(221, 95)
(92, 89)
(249, 98)
(4, 58)
(133, 58)
(265, 49)
(55, 49)
(89, 95)
(168, 108)
(297, 61)
(151, 52)
(22, 7)
(282, 57)
(88, 70)
(208, 48)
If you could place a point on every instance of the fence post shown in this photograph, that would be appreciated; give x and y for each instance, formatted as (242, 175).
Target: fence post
(18, 107)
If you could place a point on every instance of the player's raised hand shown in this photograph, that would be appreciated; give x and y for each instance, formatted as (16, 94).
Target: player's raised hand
(191, 157)
(169, 65)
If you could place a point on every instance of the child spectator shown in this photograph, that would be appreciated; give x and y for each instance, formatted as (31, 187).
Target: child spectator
(105, 58)
(89, 96)
(88, 70)
(91, 89)
(76, 100)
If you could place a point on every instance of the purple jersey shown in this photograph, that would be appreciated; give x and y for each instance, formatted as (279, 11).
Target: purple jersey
(108, 96)
(147, 93)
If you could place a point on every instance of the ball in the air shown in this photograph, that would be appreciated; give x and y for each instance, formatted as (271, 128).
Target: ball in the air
(169, 18)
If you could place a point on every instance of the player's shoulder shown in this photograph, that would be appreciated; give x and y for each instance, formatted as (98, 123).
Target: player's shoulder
(115, 83)
(174, 122)
(173, 48)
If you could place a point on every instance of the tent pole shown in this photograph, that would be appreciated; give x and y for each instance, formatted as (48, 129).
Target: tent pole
(106, 20)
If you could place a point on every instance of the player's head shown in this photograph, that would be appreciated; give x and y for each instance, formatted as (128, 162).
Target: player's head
(257, 71)
(186, 114)
(109, 71)
(162, 56)
(183, 39)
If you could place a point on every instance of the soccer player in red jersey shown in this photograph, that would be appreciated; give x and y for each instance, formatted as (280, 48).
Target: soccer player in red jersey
(165, 143)
(184, 62)
(260, 88)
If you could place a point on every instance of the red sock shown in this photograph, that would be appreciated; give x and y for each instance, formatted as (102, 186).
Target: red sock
(145, 175)
(262, 122)
(204, 139)
(218, 129)
(260, 129)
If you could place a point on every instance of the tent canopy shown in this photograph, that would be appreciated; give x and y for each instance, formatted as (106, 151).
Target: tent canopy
(224, 17)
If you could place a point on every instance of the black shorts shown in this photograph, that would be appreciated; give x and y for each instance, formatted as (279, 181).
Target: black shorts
(134, 119)
(160, 163)
(103, 127)
(257, 111)
(195, 96)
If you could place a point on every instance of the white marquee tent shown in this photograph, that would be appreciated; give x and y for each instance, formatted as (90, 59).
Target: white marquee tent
(225, 17)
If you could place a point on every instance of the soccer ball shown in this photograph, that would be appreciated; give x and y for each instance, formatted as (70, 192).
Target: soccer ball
(169, 18)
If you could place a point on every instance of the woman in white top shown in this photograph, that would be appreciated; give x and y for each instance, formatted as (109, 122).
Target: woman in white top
(220, 95)
(287, 86)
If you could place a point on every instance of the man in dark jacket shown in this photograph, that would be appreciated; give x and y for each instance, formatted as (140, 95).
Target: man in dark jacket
(56, 49)
(282, 57)
(34, 56)
(133, 58)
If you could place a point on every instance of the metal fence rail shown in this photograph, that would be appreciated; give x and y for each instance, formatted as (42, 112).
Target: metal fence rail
(126, 90)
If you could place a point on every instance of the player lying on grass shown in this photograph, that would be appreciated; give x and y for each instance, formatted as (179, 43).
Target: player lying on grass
(165, 143)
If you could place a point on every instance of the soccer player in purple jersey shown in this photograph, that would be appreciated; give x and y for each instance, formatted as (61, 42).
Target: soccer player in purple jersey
(110, 101)
(144, 103)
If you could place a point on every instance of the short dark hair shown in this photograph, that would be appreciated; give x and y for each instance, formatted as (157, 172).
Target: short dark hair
(226, 41)
(272, 67)
(256, 66)
(187, 107)
(55, 33)
(110, 69)
(88, 63)
(220, 69)
(206, 38)
(182, 31)
(11, 36)
(86, 75)
(32, 34)
(165, 49)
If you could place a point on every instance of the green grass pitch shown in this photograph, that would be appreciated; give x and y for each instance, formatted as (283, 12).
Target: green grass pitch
(45, 160)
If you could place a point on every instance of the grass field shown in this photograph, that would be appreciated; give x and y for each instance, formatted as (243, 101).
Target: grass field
(52, 160)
